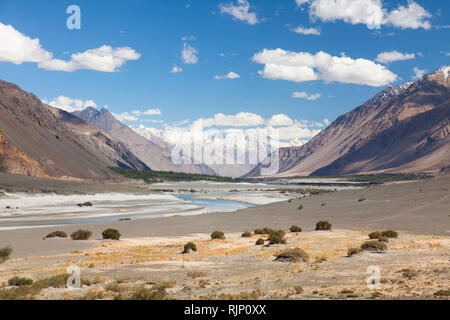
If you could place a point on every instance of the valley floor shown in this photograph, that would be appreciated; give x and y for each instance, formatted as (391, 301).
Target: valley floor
(416, 265)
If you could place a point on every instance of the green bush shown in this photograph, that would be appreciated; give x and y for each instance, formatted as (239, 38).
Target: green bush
(260, 242)
(292, 255)
(390, 234)
(259, 231)
(19, 282)
(85, 204)
(246, 234)
(148, 294)
(352, 251)
(276, 239)
(218, 235)
(295, 229)
(5, 253)
(57, 234)
(111, 234)
(190, 246)
(81, 235)
(375, 235)
(374, 246)
(323, 225)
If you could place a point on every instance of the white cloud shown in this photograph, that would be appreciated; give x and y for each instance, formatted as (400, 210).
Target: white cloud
(240, 12)
(189, 54)
(189, 38)
(18, 48)
(413, 16)
(303, 66)
(176, 69)
(242, 119)
(125, 116)
(391, 56)
(326, 121)
(301, 2)
(369, 12)
(151, 112)
(419, 73)
(230, 75)
(104, 58)
(304, 95)
(306, 31)
(69, 104)
(280, 120)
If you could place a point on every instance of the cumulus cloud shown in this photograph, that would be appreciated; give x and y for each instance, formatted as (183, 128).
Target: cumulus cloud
(176, 69)
(369, 12)
(241, 119)
(419, 73)
(304, 66)
(391, 56)
(104, 58)
(280, 120)
(230, 75)
(240, 11)
(326, 121)
(304, 95)
(189, 54)
(69, 104)
(306, 31)
(18, 48)
(413, 17)
(125, 116)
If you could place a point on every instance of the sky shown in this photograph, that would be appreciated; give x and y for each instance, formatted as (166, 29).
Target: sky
(164, 66)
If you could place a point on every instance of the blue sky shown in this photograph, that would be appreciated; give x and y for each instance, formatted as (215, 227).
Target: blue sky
(225, 36)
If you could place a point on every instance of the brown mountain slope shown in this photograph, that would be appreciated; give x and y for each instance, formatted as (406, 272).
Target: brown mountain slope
(51, 144)
(345, 146)
(154, 152)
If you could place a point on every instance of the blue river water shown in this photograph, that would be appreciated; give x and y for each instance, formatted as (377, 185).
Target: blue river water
(208, 206)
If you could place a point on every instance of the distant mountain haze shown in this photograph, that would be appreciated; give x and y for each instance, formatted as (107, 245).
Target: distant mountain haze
(403, 129)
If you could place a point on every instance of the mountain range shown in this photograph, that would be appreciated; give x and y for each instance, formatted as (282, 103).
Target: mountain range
(402, 129)
(38, 140)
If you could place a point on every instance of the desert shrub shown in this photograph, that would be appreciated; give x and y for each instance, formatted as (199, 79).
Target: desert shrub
(111, 234)
(259, 231)
(92, 295)
(19, 282)
(295, 229)
(218, 235)
(5, 253)
(85, 204)
(260, 242)
(320, 259)
(81, 235)
(374, 246)
(362, 199)
(292, 255)
(300, 207)
(246, 234)
(375, 235)
(190, 246)
(253, 295)
(58, 281)
(384, 239)
(409, 273)
(390, 234)
(276, 239)
(352, 251)
(196, 274)
(442, 293)
(143, 293)
(323, 225)
(57, 234)
(298, 289)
